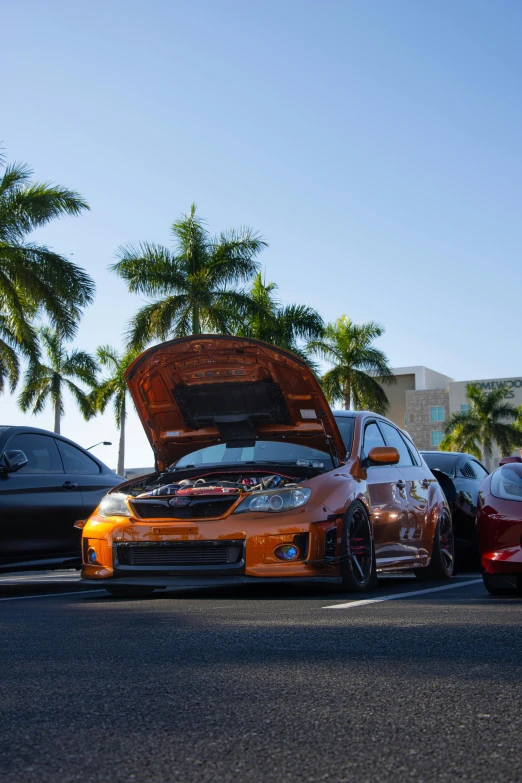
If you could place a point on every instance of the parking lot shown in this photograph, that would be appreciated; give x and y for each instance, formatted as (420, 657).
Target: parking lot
(269, 683)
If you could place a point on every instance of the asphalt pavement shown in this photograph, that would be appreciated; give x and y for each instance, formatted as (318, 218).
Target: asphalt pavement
(259, 684)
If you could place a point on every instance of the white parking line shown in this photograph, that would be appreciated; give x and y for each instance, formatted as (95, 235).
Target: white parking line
(49, 595)
(403, 595)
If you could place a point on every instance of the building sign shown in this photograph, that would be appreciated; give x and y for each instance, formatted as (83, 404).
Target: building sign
(508, 384)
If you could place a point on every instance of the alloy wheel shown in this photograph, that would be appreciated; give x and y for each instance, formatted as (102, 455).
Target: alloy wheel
(359, 547)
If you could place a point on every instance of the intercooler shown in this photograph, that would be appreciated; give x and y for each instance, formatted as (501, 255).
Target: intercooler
(181, 553)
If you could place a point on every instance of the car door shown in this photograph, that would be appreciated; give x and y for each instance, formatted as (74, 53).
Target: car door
(389, 512)
(417, 479)
(81, 469)
(37, 507)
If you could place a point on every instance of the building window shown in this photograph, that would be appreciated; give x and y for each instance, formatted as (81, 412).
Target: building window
(405, 419)
(436, 437)
(437, 413)
(465, 408)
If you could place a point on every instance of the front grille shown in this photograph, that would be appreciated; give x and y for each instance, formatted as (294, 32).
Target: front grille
(181, 553)
(198, 509)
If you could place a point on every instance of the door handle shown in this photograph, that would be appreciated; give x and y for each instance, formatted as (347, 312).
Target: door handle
(400, 484)
(70, 485)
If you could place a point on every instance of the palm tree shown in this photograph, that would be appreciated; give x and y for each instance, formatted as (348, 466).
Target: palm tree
(284, 326)
(44, 382)
(489, 420)
(359, 368)
(33, 279)
(114, 387)
(458, 440)
(197, 282)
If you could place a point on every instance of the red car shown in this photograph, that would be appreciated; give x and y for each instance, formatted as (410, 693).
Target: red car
(499, 522)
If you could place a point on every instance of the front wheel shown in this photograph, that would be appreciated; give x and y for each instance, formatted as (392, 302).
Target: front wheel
(119, 591)
(358, 570)
(442, 561)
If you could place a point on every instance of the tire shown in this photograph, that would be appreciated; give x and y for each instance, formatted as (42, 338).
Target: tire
(442, 563)
(494, 590)
(119, 591)
(358, 569)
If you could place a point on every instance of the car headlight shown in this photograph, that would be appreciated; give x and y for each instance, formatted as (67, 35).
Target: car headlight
(284, 500)
(507, 484)
(113, 506)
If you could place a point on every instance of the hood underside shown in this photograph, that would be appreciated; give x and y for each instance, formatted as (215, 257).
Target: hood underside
(199, 391)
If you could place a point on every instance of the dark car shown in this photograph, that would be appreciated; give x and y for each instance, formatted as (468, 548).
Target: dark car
(47, 482)
(460, 476)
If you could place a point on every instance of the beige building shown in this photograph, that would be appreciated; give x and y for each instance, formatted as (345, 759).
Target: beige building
(423, 401)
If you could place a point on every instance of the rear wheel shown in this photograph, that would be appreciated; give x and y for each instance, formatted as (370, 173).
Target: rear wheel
(119, 591)
(358, 569)
(442, 561)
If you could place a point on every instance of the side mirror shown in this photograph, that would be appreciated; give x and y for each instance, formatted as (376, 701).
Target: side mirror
(14, 460)
(384, 455)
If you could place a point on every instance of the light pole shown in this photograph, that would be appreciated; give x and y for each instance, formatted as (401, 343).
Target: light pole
(101, 443)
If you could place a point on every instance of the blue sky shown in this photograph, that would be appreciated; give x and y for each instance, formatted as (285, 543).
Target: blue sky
(375, 145)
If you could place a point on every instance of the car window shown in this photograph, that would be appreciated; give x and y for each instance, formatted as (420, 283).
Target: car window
(40, 450)
(372, 437)
(467, 471)
(394, 438)
(346, 426)
(478, 470)
(75, 461)
(413, 451)
(443, 462)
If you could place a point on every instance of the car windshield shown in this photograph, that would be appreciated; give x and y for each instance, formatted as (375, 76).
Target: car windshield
(443, 462)
(263, 451)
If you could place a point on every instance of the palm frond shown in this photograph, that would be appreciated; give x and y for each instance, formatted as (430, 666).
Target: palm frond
(155, 321)
(83, 400)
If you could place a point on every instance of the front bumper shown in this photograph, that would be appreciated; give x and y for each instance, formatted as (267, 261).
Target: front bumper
(242, 546)
(504, 562)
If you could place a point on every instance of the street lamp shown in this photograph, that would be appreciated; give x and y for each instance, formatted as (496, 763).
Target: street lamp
(101, 443)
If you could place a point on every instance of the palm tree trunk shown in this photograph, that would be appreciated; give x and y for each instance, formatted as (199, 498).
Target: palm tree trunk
(121, 446)
(486, 451)
(347, 394)
(196, 324)
(57, 415)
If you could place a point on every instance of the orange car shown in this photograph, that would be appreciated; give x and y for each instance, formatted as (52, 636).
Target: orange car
(257, 479)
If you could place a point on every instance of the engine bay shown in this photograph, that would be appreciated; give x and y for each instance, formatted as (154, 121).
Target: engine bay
(212, 484)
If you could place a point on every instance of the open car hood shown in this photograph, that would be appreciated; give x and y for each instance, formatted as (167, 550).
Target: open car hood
(198, 391)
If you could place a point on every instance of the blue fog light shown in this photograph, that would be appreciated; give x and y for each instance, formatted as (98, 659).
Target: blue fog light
(287, 552)
(91, 556)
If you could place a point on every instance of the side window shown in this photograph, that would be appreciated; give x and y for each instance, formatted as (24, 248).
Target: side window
(394, 438)
(478, 470)
(372, 437)
(346, 427)
(75, 461)
(41, 452)
(413, 451)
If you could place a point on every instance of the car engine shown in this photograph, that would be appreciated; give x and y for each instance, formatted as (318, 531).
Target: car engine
(219, 485)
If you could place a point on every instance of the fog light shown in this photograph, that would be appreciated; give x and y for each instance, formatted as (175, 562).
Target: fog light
(287, 552)
(91, 556)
